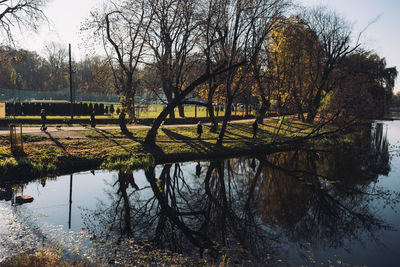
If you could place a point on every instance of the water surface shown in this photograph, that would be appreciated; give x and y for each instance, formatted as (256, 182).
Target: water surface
(298, 207)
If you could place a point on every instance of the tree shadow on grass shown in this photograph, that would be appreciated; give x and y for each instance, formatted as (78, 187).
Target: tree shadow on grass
(153, 150)
(241, 128)
(260, 132)
(56, 141)
(131, 136)
(112, 139)
(199, 146)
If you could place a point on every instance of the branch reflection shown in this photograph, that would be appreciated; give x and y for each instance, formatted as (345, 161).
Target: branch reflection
(247, 208)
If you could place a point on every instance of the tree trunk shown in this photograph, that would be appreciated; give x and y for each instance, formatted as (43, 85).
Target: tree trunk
(313, 109)
(152, 133)
(227, 117)
(181, 109)
(150, 139)
(169, 100)
(129, 106)
(132, 112)
(265, 104)
(214, 120)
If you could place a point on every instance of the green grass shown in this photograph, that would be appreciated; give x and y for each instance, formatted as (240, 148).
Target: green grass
(190, 112)
(111, 149)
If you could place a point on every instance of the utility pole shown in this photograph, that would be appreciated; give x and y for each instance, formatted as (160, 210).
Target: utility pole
(70, 85)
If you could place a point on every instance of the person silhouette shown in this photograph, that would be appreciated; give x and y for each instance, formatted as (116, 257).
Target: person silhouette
(92, 119)
(199, 129)
(43, 117)
(255, 128)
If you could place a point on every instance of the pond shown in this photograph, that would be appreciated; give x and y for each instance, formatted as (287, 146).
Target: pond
(308, 206)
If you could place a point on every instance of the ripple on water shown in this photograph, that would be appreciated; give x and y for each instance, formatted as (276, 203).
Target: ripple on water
(16, 237)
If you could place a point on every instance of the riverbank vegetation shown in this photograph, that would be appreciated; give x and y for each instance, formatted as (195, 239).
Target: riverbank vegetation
(112, 149)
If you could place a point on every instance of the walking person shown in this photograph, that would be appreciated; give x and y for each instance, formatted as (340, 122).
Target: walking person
(199, 129)
(255, 128)
(43, 117)
(92, 119)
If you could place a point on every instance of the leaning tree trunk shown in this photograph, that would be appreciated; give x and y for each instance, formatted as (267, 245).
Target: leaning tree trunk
(131, 112)
(150, 139)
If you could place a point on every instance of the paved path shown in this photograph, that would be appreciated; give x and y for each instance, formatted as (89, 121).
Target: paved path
(36, 130)
(73, 131)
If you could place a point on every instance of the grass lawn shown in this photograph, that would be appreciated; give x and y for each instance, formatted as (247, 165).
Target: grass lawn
(190, 112)
(113, 150)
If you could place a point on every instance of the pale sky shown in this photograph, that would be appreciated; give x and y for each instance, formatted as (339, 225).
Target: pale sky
(383, 36)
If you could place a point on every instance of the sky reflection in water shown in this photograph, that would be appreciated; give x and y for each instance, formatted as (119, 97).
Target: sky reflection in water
(264, 208)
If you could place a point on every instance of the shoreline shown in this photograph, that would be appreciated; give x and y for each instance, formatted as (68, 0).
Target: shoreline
(110, 149)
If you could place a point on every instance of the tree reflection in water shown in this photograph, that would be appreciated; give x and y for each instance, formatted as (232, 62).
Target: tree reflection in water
(247, 208)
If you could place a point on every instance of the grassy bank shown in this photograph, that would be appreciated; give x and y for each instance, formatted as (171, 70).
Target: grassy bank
(111, 149)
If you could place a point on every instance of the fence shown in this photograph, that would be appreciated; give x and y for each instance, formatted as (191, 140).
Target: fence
(59, 109)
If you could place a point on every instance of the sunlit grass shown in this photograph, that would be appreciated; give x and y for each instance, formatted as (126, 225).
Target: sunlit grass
(112, 148)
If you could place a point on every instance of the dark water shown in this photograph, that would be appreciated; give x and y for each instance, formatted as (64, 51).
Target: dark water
(327, 206)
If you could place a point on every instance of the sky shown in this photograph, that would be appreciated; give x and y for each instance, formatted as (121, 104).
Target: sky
(383, 36)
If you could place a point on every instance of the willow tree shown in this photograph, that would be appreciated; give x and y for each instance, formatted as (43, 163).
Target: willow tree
(364, 87)
(334, 36)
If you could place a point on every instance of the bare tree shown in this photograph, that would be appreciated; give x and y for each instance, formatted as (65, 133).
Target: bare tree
(22, 14)
(56, 56)
(122, 27)
(172, 36)
(232, 33)
(241, 36)
(192, 48)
